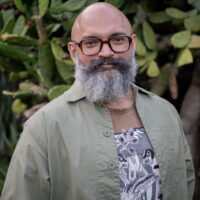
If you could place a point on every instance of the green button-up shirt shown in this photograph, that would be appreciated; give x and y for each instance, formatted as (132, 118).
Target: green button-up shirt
(67, 151)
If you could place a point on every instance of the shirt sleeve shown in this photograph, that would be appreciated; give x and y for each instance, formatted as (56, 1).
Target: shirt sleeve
(190, 173)
(28, 175)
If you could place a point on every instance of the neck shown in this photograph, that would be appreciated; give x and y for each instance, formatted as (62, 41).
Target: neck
(123, 103)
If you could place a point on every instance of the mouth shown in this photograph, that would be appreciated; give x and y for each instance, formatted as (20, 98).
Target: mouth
(106, 67)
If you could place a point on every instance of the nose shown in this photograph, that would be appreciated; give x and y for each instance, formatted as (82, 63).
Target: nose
(106, 51)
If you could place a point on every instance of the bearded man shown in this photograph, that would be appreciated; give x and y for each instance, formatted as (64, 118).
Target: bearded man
(89, 143)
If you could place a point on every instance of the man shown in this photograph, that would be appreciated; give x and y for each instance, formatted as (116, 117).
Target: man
(93, 141)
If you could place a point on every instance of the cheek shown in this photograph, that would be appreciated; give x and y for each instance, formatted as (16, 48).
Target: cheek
(85, 60)
(125, 55)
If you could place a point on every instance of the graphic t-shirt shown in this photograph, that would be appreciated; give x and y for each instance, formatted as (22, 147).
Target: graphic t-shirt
(139, 170)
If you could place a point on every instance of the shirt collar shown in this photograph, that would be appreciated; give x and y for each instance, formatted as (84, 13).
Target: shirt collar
(75, 93)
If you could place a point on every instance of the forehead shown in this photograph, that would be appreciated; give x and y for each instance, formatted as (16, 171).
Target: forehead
(100, 22)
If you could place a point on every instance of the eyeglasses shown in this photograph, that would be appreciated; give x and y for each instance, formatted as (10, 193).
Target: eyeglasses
(93, 46)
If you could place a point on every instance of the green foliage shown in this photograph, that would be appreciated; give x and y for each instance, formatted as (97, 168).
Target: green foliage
(8, 26)
(192, 13)
(153, 69)
(194, 42)
(193, 23)
(46, 60)
(19, 5)
(9, 129)
(195, 4)
(140, 48)
(184, 57)
(70, 5)
(19, 25)
(116, 3)
(16, 39)
(57, 91)
(18, 106)
(149, 35)
(7, 15)
(43, 6)
(176, 13)
(181, 39)
(159, 17)
(16, 53)
(160, 84)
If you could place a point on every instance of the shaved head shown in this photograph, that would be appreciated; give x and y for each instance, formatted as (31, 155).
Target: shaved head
(100, 14)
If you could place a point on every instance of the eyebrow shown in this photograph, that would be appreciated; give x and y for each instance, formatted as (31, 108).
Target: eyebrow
(118, 33)
(95, 37)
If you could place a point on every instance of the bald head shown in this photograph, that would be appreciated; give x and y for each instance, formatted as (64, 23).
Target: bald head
(102, 15)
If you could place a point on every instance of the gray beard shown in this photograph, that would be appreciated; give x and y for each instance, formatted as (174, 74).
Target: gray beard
(101, 87)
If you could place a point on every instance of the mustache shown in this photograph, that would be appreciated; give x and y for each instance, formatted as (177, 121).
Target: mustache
(97, 65)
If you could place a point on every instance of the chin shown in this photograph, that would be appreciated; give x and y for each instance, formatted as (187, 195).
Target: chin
(108, 72)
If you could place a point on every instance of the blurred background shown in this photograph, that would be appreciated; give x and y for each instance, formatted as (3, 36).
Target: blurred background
(35, 66)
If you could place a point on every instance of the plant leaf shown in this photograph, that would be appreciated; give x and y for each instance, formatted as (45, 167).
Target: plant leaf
(55, 3)
(65, 69)
(116, 3)
(43, 6)
(195, 4)
(15, 53)
(181, 39)
(19, 25)
(194, 42)
(46, 60)
(57, 91)
(8, 26)
(16, 76)
(176, 13)
(19, 40)
(184, 57)
(192, 13)
(69, 23)
(17, 94)
(57, 51)
(151, 55)
(130, 8)
(193, 23)
(153, 69)
(160, 84)
(18, 106)
(159, 17)
(149, 35)
(7, 15)
(19, 5)
(43, 79)
(140, 48)
(70, 5)
(140, 61)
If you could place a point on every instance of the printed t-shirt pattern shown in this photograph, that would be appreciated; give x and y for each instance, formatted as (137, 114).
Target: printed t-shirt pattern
(139, 170)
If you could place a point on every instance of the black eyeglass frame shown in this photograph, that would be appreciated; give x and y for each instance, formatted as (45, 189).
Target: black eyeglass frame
(79, 44)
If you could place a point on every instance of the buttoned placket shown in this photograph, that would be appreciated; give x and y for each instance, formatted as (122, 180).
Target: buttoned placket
(108, 164)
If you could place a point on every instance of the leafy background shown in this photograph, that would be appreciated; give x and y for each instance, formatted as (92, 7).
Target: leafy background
(35, 66)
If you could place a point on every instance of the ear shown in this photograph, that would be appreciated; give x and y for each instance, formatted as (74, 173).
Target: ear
(72, 50)
(133, 36)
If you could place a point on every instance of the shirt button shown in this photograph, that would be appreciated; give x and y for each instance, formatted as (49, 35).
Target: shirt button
(111, 165)
(107, 134)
